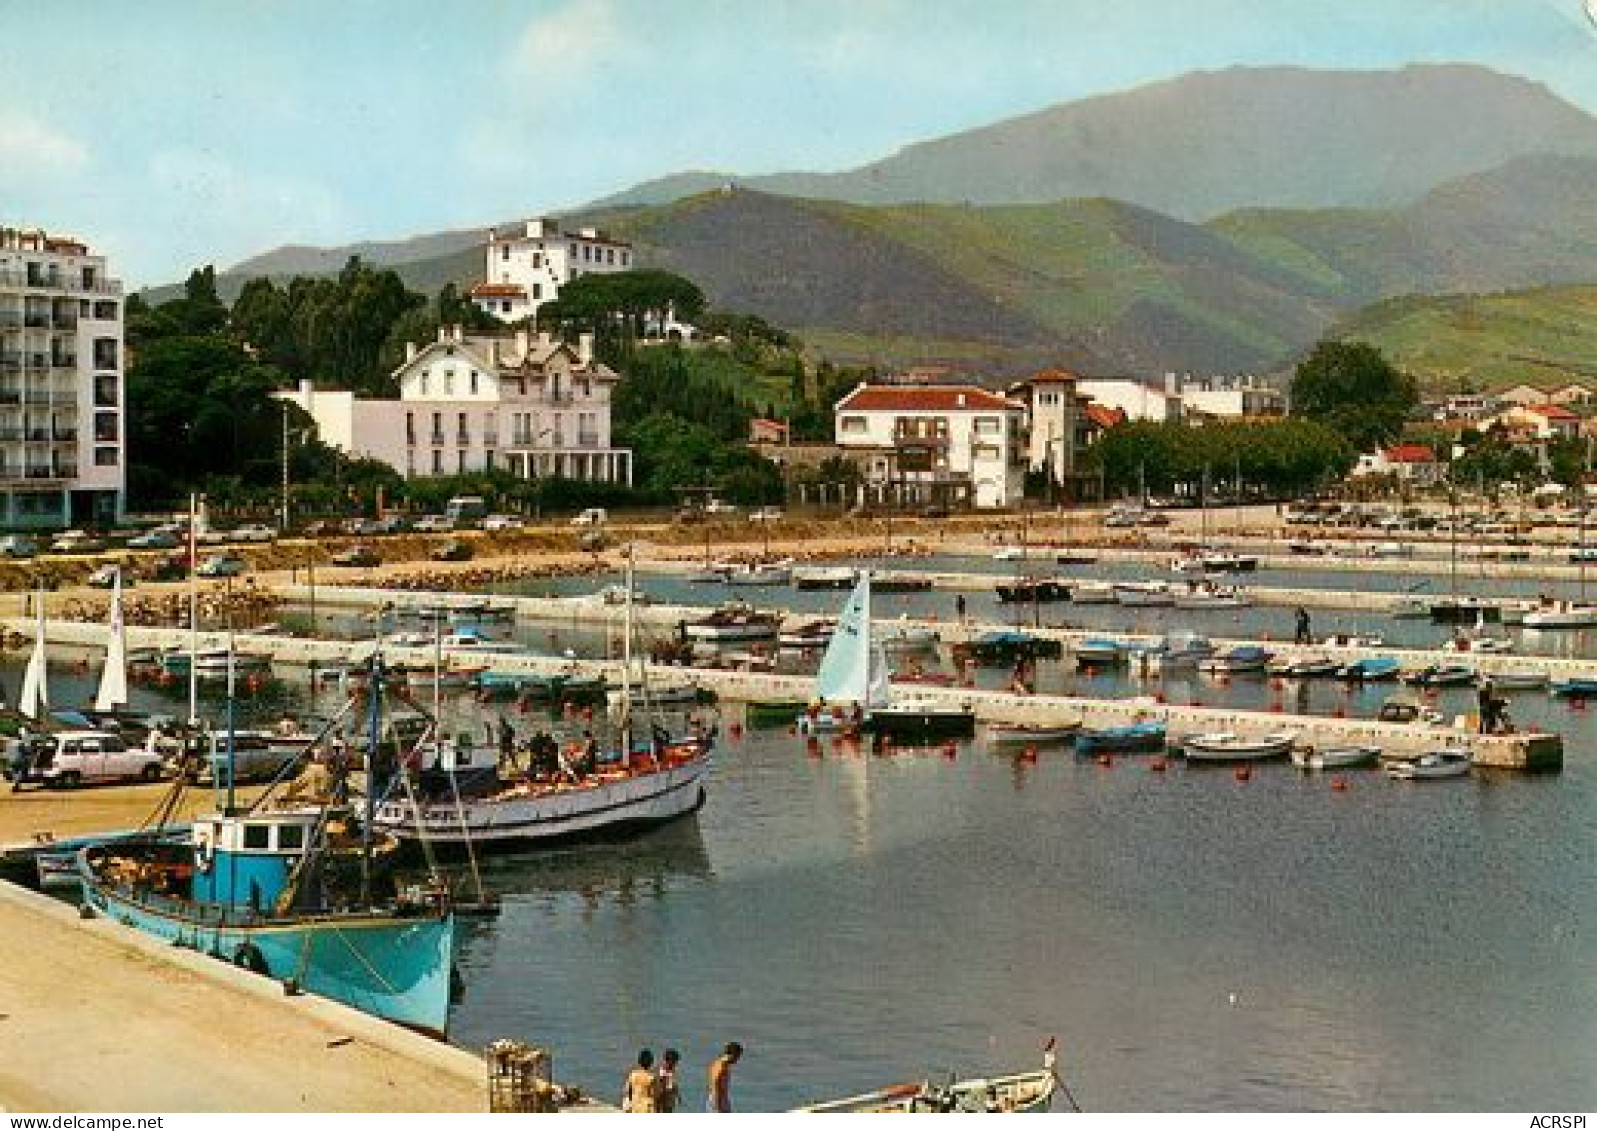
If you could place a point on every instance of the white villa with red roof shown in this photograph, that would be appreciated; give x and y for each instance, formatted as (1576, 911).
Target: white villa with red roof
(951, 445)
(1412, 463)
(528, 263)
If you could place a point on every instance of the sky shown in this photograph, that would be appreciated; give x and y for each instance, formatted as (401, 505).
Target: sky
(170, 134)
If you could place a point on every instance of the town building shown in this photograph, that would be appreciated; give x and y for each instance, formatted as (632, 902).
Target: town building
(62, 447)
(530, 405)
(934, 445)
(1409, 463)
(1137, 399)
(1572, 395)
(1057, 431)
(763, 431)
(527, 264)
(1468, 407)
(1535, 422)
(1230, 397)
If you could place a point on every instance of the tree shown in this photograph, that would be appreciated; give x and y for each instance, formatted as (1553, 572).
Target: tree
(1352, 388)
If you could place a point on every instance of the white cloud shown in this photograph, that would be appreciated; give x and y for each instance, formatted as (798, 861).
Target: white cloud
(574, 43)
(28, 143)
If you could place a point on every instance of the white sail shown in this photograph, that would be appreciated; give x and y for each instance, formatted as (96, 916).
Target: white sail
(854, 669)
(35, 700)
(113, 693)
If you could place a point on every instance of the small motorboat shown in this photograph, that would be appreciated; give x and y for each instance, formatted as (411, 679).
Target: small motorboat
(707, 575)
(1031, 590)
(1405, 707)
(825, 577)
(732, 622)
(1009, 554)
(761, 573)
(1312, 667)
(1075, 558)
(1021, 1093)
(1008, 646)
(1144, 594)
(1229, 563)
(1561, 614)
(1099, 652)
(810, 634)
(1243, 658)
(1335, 757)
(1182, 649)
(1481, 645)
(1353, 640)
(1575, 687)
(1519, 679)
(1092, 593)
(774, 712)
(1136, 738)
(1011, 734)
(1411, 608)
(1441, 675)
(901, 583)
(1208, 595)
(1371, 669)
(909, 638)
(1432, 764)
(1224, 746)
(1464, 610)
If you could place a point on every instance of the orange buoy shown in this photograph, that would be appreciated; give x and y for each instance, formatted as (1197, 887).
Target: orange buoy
(1158, 696)
(1340, 712)
(1577, 704)
(1106, 759)
(1157, 766)
(1338, 785)
(1029, 755)
(792, 728)
(735, 731)
(1242, 773)
(1275, 706)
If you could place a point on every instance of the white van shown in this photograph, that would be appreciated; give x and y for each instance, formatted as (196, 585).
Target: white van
(70, 758)
(593, 516)
(466, 509)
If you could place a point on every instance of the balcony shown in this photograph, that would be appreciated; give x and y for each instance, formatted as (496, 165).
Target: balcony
(490, 439)
(438, 439)
(10, 394)
(463, 440)
(587, 439)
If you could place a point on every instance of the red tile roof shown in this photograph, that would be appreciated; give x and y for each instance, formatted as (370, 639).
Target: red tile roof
(499, 290)
(1104, 416)
(1409, 453)
(923, 398)
(1055, 375)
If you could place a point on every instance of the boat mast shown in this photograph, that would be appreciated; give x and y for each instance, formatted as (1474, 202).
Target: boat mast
(194, 613)
(626, 666)
(232, 687)
(374, 685)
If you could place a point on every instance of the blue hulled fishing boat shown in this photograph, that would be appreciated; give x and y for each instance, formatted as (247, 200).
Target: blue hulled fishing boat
(1147, 737)
(298, 891)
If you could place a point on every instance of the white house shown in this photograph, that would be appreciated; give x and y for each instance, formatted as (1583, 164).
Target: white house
(1137, 399)
(1411, 463)
(63, 457)
(943, 444)
(528, 263)
(1233, 397)
(1058, 430)
(533, 406)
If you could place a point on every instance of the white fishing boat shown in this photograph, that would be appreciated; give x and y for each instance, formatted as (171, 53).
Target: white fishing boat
(852, 688)
(761, 573)
(1242, 658)
(472, 642)
(1015, 734)
(467, 798)
(1561, 614)
(1335, 757)
(1020, 1093)
(824, 577)
(1208, 595)
(1224, 746)
(1009, 554)
(1092, 593)
(1144, 594)
(1432, 764)
(809, 634)
(1519, 679)
(735, 621)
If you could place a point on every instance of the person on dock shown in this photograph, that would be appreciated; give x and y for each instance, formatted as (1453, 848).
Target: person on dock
(638, 1092)
(959, 607)
(1487, 699)
(1303, 635)
(720, 1098)
(507, 742)
(667, 1092)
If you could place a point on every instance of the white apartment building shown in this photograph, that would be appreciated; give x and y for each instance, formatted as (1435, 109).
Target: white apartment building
(1139, 400)
(530, 405)
(62, 454)
(1240, 396)
(951, 445)
(527, 264)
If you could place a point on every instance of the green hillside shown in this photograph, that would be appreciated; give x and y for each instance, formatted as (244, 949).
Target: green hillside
(1453, 343)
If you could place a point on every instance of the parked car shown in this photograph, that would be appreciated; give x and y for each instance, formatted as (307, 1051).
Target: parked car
(393, 524)
(454, 550)
(173, 567)
(18, 546)
(766, 514)
(254, 532)
(104, 577)
(70, 758)
(716, 506)
(222, 565)
(364, 527)
(77, 542)
(504, 522)
(254, 756)
(593, 516)
(357, 555)
(157, 539)
(434, 524)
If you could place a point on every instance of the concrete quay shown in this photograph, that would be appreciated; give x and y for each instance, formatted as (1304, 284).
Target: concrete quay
(99, 1017)
(1518, 751)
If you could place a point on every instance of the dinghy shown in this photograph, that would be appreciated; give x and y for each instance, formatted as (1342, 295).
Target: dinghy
(1335, 757)
(1433, 764)
(1143, 737)
(1223, 746)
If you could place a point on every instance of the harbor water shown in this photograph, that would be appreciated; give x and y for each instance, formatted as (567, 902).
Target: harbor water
(1195, 942)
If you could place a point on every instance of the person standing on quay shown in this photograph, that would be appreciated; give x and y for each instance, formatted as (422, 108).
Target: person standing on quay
(1303, 636)
(667, 1093)
(637, 1094)
(721, 1077)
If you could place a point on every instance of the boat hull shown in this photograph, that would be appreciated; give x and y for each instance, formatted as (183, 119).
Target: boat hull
(393, 967)
(599, 807)
(1121, 740)
(911, 723)
(1263, 750)
(1027, 592)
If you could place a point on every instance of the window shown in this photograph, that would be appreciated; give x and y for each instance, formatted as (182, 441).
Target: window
(105, 391)
(424, 382)
(105, 353)
(105, 457)
(460, 461)
(537, 291)
(107, 426)
(537, 260)
(474, 382)
(257, 836)
(504, 307)
(987, 426)
(626, 257)
(438, 462)
(462, 432)
(290, 836)
(853, 425)
(504, 252)
(105, 311)
(410, 428)
(449, 382)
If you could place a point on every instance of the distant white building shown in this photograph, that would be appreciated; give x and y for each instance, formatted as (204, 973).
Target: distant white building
(1137, 399)
(1058, 430)
(63, 455)
(952, 445)
(527, 264)
(529, 405)
(1239, 396)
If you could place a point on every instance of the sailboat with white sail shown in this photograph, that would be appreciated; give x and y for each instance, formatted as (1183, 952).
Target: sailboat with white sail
(853, 690)
(113, 691)
(34, 702)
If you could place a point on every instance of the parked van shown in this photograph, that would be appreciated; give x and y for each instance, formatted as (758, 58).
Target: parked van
(593, 516)
(465, 509)
(71, 758)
